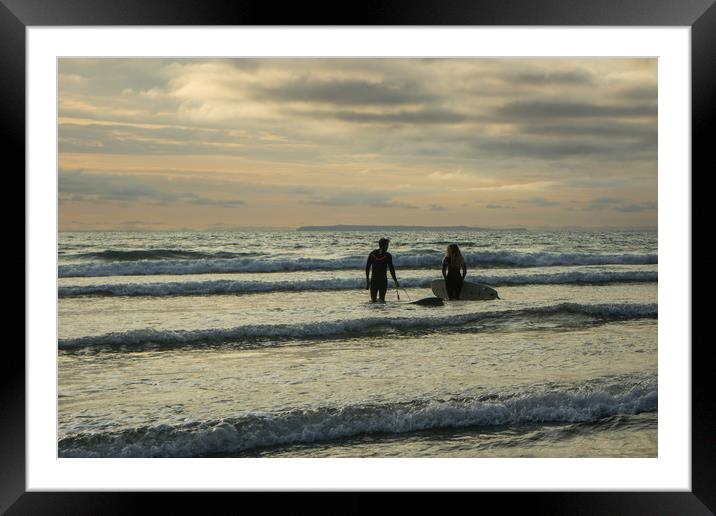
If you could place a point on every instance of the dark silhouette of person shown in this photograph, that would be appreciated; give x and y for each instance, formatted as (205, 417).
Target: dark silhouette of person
(454, 271)
(380, 260)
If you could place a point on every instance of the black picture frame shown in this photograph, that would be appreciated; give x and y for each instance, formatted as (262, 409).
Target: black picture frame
(699, 15)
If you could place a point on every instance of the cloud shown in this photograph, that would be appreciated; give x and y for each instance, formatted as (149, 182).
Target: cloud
(77, 185)
(367, 203)
(600, 129)
(140, 223)
(602, 203)
(80, 185)
(300, 190)
(542, 149)
(638, 93)
(357, 198)
(551, 109)
(446, 176)
(633, 208)
(348, 92)
(427, 116)
(618, 204)
(549, 148)
(546, 77)
(293, 130)
(111, 76)
(204, 201)
(541, 202)
(120, 138)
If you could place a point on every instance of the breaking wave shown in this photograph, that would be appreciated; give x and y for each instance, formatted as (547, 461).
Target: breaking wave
(350, 327)
(268, 264)
(217, 287)
(232, 435)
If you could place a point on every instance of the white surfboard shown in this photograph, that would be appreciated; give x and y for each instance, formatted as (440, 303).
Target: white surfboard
(470, 291)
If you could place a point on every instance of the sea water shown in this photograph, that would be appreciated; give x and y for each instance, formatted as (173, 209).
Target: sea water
(265, 344)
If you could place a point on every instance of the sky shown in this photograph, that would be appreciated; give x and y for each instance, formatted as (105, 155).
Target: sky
(223, 144)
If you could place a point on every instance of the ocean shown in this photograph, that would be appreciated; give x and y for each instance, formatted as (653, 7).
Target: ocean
(266, 344)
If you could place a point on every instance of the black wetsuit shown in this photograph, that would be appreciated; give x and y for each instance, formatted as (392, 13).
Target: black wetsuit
(453, 279)
(381, 261)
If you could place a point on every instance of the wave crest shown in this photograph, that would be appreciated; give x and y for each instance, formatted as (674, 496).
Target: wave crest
(408, 260)
(257, 430)
(350, 327)
(219, 287)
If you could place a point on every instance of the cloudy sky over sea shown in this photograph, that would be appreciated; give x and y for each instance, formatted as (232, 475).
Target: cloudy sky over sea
(162, 144)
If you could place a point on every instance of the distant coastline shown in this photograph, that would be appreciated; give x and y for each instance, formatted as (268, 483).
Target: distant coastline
(348, 227)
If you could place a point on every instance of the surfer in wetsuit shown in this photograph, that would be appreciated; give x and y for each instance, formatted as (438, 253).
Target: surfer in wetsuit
(381, 261)
(454, 271)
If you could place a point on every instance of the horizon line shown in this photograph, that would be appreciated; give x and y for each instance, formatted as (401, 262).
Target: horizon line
(364, 227)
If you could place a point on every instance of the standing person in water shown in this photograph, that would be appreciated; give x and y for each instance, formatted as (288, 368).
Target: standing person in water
(454, 271)
(381, 261)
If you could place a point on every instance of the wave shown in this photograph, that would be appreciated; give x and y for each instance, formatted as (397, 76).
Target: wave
(248, 335)
(218, 287)
(284, 264)
(233, 435)
(120, 255)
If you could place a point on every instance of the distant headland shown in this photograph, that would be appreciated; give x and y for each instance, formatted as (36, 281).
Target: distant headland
(342, 227)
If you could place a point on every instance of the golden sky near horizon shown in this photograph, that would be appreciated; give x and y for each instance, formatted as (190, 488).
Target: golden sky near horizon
(163, 144)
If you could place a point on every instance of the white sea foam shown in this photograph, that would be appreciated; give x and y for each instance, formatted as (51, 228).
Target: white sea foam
(576, 404)
(206, 266)
(365, 325)
(217, 287)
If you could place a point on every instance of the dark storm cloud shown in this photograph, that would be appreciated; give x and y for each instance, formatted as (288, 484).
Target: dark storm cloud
(347, 93)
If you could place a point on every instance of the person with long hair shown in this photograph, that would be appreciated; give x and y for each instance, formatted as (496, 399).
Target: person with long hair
(454, 271)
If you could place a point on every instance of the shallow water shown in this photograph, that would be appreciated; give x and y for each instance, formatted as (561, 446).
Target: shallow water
(204, 353)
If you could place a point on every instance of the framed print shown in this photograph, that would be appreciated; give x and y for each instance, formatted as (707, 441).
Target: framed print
(237, 225)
